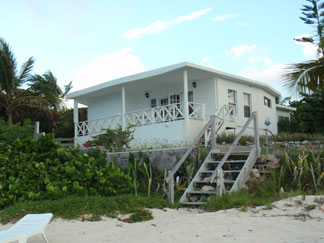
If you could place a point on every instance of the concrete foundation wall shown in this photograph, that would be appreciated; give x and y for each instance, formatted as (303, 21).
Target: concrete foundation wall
(161, 159)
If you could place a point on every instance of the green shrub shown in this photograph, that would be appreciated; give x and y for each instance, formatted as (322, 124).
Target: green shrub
(9, 134)
(229, 138)
(113, 140)
(31, 170)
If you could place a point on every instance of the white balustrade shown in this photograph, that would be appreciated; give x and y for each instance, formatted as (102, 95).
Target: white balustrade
(224, 113)
(154, 115)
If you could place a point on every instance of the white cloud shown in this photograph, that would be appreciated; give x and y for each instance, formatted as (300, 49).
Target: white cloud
(191, 16)
(104, 68)
(238, 51)
(260, 60)
(256, 55)
(225, 17)
(205, 59)
(156, 27)
(160, 25)
(271, 74)
(258, 65)
(309, 49)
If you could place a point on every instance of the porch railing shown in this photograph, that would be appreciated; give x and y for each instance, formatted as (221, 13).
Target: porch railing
(154, 115)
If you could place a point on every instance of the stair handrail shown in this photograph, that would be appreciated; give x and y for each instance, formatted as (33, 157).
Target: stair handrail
(254, 117)
(194, 143)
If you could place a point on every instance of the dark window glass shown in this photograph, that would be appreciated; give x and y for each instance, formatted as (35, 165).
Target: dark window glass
(267, 102)
(153, 103)
(247, 104)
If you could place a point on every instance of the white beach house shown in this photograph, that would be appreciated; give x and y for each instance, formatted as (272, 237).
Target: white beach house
(173, 103)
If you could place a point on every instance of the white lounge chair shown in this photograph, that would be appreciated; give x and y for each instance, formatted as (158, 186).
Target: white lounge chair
(29, 225)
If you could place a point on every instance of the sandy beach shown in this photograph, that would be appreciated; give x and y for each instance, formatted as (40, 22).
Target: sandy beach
(294, 219)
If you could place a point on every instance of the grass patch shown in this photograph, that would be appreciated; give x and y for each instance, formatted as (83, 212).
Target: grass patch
(75, 207)
(140, 215)
(269, 206)
(242, 199)
(319, 201)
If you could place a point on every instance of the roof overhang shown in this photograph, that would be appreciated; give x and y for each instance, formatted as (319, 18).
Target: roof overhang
(285, 108)
(160, 71)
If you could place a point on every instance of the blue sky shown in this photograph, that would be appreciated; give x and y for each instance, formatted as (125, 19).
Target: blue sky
(89, 42)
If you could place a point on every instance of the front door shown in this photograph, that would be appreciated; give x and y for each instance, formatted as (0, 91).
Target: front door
(175, 110)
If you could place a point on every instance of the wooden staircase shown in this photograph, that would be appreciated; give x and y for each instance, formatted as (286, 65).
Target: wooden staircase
(220, 172)
(233, 175)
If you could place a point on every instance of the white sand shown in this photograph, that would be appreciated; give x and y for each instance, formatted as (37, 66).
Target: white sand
(286, 222)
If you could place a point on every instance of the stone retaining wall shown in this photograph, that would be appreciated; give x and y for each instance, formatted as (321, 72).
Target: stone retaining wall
(299, 145)
(161, 159)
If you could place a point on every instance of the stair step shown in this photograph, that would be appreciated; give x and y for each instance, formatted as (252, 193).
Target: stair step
(227, 161)
(202, 192)
(224, 171)
(233, 153)
(207, 181)
(193, 203)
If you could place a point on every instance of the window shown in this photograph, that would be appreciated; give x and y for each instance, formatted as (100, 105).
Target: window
(247, 104)
(190, 99)
(174, 98)
(280, 118)
(164, 101)
(232, 99)
(153, 103)
(190, 96)
(267, 102)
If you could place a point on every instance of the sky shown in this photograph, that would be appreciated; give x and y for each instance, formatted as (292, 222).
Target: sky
(90, 42)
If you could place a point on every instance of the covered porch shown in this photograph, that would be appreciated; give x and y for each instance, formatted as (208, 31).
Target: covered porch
(171, 103)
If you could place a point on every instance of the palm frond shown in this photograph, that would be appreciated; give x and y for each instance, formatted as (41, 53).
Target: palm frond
(7, 68)
(305, 77)
(25, 71)
(67, 89)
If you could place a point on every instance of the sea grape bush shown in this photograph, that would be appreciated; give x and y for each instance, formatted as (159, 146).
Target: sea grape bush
(31, 170)
(113, 139)
(9, 134)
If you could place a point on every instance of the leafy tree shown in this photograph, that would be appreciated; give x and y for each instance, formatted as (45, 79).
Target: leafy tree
(12, 96)
(66, 125)
(309, 116)
(46, 86)
(309, 76)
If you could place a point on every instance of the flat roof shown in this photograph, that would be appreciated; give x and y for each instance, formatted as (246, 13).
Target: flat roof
(167, 69)
(285, 108)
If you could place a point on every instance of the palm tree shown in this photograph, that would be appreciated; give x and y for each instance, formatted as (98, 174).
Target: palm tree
(46, 86)
(12, 96)
(307, 77)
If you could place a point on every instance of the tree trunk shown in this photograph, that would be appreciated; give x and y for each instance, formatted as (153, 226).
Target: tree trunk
(9, 116)
(53, 132)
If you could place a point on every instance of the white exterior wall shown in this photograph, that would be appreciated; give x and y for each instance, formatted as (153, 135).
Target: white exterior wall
(160, 133)
(205, 93)
(257, 104)
(283, 113)
(104, 106)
